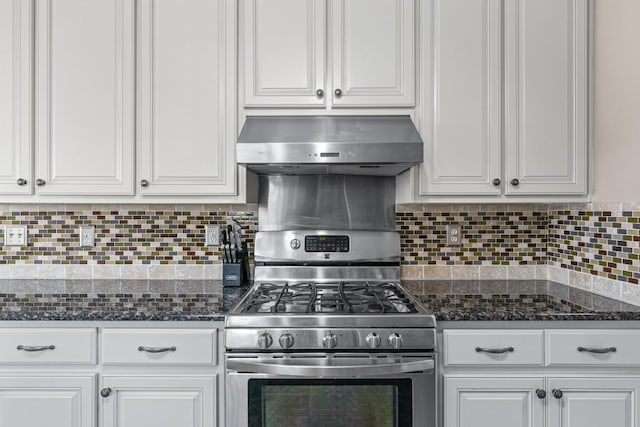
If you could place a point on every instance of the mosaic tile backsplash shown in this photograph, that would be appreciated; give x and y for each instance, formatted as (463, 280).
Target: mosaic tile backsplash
(585, 246)
(601, 243)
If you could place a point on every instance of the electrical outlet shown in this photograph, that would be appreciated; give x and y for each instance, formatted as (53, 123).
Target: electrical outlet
(15, 235)
(87, 237)
(212, 235)
(454, 238)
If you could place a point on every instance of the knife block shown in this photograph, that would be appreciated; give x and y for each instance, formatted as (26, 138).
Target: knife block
(236, 274)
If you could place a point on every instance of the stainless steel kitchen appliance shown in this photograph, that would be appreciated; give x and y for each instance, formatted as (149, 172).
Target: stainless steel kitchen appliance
(327, 336)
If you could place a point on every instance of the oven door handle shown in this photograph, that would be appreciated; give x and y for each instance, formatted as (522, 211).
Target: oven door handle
(285, 368)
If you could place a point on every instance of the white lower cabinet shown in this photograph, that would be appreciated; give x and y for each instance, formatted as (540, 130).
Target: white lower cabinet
(493, 402)
(158, 401)
(588, 378)
(594, 402)
(567, 401)
(43, 400)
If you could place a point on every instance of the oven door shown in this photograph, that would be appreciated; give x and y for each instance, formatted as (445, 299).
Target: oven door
(336, 391)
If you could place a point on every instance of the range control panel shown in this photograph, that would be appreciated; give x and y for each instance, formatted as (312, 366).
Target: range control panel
(326, 243)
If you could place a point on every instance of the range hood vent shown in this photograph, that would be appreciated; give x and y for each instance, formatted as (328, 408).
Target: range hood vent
(321, 145)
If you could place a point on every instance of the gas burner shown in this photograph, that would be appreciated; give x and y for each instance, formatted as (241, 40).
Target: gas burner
(332, 297)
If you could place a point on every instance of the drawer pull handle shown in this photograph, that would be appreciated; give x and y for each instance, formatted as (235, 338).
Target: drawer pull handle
(495, 350)
(598, 350)
(36, 348)
(156, 349)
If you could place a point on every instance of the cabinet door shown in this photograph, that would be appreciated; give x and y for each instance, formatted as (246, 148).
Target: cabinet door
(493, 402)
(373, 52)
(186, 93)
(462, 111)
(594, 402)
(284, 52)
(16, 76)
(159, 401)
(546, 91)
(47, 401)
(84, 97)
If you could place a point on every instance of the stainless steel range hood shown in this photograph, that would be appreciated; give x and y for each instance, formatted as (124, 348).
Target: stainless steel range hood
(345, 145)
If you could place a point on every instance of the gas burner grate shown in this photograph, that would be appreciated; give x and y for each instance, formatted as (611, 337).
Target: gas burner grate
(333, 297)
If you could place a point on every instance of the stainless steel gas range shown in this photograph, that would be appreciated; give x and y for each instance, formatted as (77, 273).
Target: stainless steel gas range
(327, 336)
(329, 342)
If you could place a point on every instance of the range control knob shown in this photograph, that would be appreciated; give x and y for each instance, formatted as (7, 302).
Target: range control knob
(286, 340)
(330, 340)
(395, 340)
(373, 340)
(295, 244)
(265, 340)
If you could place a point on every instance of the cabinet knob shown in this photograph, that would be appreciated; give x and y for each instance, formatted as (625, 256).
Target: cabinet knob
(105, 392)
(541, 393)
(515, 182)
(319, 93)
(338, 93)
(557, 393)
(40, 182)
(496, 182)
(22, 181)
(144, 183)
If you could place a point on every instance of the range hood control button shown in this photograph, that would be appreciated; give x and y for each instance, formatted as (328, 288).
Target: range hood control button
(286, 340)
(330, 340)
(373, 340)
(395, 340)
(265, 340)
(295, 244)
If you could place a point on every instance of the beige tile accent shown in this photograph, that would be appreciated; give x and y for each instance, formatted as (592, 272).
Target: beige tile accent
(630, 293)
(106, 271)
(471, 272)
(213, 272)
(24, 271)
(542, 272)
(436, 272)
(412, 272)
(189, 272)
(521, 272)
(50, 271)
(5, 272)
(607, 287)
(78, 272)
(560, 275)
(134, 272)
(580, 280)
(162, 272)
(496, 272)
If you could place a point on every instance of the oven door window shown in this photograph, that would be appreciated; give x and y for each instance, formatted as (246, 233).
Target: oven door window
(331, 403)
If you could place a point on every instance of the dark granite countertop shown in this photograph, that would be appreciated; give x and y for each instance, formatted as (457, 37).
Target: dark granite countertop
(116, 300)
(515, 300)
(198, 300)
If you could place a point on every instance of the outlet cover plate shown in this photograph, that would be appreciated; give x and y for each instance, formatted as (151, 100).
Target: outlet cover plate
(212, 235)
(454, 238)
(87, 237)
(15, 235)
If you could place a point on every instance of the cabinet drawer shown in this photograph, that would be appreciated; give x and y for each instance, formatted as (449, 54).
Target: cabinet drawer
(159, 347)
(489, 347)
(593, 347)
(32, 346)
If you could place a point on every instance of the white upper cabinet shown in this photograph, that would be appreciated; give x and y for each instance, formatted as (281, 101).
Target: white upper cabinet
(186, 93)
(370, 61)
(462, 115)
(546, 89)
(84, 97)
(284, 52)
(16, 74)
(373, 52)
(504, 101)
